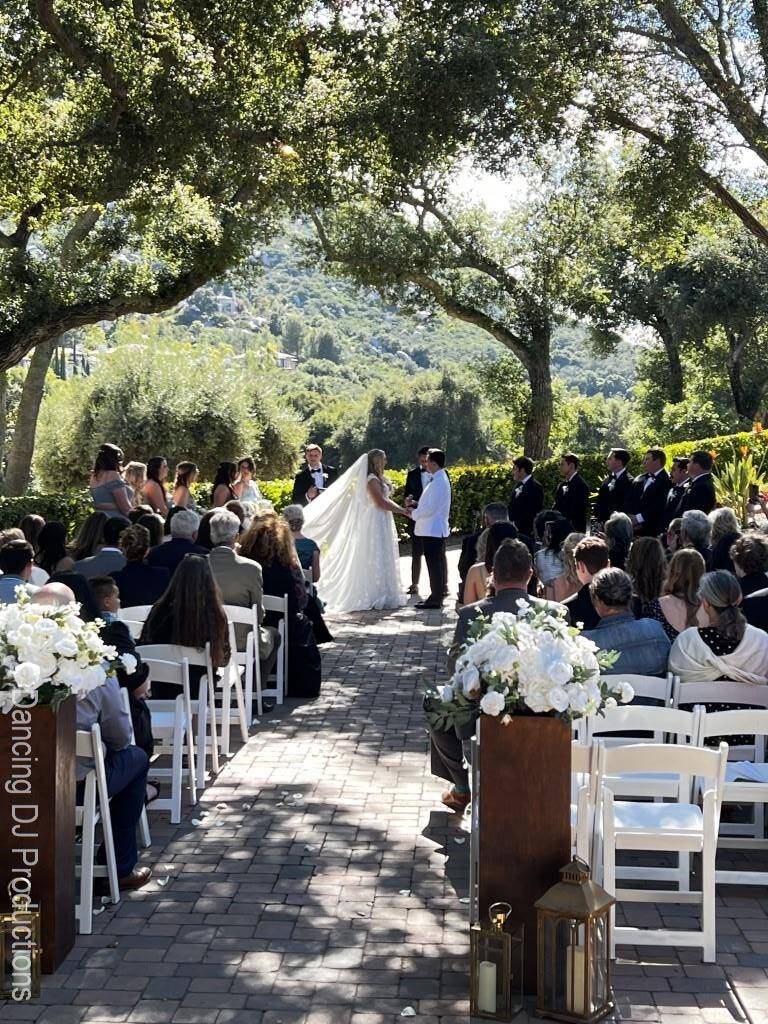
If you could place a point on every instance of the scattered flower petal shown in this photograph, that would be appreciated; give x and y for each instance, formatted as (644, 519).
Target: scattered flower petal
(404, 892)
(464, 899)
(98, 910)
(196, 822)
(459, 842)
(163, 881)
(408, 1011)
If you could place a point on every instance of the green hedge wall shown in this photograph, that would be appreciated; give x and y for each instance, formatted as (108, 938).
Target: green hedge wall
(473, 486)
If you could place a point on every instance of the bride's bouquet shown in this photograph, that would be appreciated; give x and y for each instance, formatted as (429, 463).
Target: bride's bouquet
(529, 662)
(48, 653)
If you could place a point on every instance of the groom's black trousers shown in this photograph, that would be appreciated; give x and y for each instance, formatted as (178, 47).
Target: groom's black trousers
(434, 555)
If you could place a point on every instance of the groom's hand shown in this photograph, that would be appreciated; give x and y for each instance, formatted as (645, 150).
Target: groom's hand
(312, 493)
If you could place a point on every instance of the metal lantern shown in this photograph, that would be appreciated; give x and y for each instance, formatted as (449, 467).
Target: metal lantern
(574, 948)
(496, 964)
(20, 955)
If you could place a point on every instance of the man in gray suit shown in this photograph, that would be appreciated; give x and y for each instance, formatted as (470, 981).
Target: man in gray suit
(109, 558)
(240, 583)
(512, 571)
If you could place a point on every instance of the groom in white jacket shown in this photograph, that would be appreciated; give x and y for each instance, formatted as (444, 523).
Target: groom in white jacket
(431, 524)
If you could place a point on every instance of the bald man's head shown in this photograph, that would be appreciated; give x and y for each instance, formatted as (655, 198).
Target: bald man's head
(56, 594)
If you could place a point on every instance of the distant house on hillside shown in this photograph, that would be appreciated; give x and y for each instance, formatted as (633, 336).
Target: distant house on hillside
(286, 361)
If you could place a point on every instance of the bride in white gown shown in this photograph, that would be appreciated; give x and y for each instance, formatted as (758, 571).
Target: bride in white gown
(352, 523)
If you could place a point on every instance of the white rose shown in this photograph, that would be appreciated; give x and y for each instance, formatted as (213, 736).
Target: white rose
(65, 646)
(610, 703)
(45, 662)
(469, 680)
(69, 675)
(560, 673)
(27, 676)
(578, 700)
(94, 642)
(627, 693)
(446, 692)
(558, 698)
(492, 703)
(130, 663)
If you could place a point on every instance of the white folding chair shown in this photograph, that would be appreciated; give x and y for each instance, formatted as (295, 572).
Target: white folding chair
(246, 656)
(583, 793)
(172, 726)
(200, 708)
(94, 811)
(724, 691)
(680, 827)
(749, 835)
(146, 838)
(647, 687)
(279, 605)
(474, 833)
(134, 617)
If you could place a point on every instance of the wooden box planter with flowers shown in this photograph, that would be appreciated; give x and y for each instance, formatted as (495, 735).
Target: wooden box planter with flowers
(49, 658)
(521, 680)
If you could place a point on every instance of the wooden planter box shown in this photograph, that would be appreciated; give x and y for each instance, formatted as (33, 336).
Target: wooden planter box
(37, 800)
(524, 834)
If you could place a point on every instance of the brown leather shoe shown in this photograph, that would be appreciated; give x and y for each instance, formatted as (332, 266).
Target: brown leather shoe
(137, 878)
(457, 802)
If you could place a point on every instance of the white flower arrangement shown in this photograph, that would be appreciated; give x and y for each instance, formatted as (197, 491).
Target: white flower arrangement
(48, 653)
(523, 663)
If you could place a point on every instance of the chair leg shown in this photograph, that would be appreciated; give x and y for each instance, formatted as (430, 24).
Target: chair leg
(684, 871)
(259, 699)
(177, 779)
(87, 855)
(226, 709)
(212, 720)
(708, 919)
(146, 837)
(241, 706)
(109, 843)
(202, 735)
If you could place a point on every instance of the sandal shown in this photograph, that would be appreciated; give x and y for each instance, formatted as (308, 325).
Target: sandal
(150, 798)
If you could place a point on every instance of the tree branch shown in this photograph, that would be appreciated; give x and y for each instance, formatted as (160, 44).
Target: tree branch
(82, 227)
(760, 20)
(20, 236)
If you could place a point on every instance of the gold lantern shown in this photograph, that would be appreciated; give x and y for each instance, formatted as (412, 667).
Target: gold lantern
(20, 955)
(496, 966)
(574, 948)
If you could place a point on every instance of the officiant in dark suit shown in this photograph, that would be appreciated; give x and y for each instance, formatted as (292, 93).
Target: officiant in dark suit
(648, 499)
(615, 490)
(527, 499)
(314, 478)
(417, 479)
(572, 495)
(701, 490)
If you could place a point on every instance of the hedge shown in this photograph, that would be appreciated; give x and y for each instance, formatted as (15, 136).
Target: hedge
(473, 486)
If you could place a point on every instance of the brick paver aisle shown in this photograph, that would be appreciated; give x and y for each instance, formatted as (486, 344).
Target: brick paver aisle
(323, 882)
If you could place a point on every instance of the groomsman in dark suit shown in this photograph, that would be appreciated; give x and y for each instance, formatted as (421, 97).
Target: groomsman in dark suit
(701, 491)
(572, 495)
(417, 479)
(648, 499)
(678, 477)
(314, 478)
(527, 499)
(615, 490)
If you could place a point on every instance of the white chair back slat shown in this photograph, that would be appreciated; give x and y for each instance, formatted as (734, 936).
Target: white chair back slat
(660, 721)
(279, 605)
(94, 811)
(647, 687)
(135, 612)
(724, 691)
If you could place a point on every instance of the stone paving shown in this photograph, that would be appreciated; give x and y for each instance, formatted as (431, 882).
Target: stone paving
(324, 883)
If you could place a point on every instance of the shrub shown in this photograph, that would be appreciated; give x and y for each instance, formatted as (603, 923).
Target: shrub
(70, 508)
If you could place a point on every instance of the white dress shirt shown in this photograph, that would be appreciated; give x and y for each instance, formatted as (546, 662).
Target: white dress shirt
(431, 514)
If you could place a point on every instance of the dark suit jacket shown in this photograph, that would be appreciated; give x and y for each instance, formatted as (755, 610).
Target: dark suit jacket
(117, 635)
(140, 584)
(650, 502)
(613, 495)
(413, 485)
(524, 507)
(753, 581)
(756, 611)
(168, 555)
(101, 564)
(581, 609)
(672, 505)
(700, 494)
(504, 601)
(572, 501)
(304, 480)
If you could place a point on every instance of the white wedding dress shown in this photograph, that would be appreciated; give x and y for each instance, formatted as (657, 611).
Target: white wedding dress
(359, 555)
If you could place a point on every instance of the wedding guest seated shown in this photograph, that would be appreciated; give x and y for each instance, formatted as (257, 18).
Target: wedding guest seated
(38, 576)
(137, 512)
(203, 539)
(155, 526)
(90, 536)
(695, 533)
(494, 512)
(512, 571)
(51, 551)
(115, 633)
(750, 561)
(568, 584)
(476, 584)
(725, 530)
(30, 526)
(184, 527)
(223, 490)
(268, 542)
(16, 568)
(109, 490)
(548, 560)
(236, 506)
(647, 568)
(57, 594)
(619, 534)
(679, 606)
(109, 558)
(728, 647)
(78, 585)
(190, 613)
(308, 552)
(642, 644)
(590, 556)
(240, 581)
(138, 582)
(126, 768)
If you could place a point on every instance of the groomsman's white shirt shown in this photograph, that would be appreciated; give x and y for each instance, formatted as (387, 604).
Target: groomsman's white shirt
(431, 514)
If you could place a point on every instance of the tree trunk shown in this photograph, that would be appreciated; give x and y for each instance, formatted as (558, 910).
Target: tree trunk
(675, 390)
(748, 395)
(538, 423)
(23, 444)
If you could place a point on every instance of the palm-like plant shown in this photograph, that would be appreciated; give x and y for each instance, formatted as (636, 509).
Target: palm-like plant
(735, 480)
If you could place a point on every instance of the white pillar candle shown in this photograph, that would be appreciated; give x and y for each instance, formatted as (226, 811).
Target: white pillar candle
(486, 988)
(574, 979)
